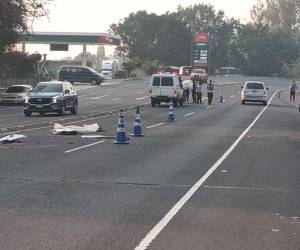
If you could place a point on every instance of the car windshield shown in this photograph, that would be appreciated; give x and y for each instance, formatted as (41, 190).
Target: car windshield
(255, 85)
(16, 89)
(51, 87)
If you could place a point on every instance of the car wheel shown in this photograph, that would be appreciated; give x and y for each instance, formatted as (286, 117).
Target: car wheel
(243, 102)
(42, 113)
(99, 83)
(153, 102)
(74, 110)
(93, 82)
(27, 113)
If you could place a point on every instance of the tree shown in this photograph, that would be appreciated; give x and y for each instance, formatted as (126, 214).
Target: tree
(264, 51)
(278, 14)
(151, 37)
(15, 17)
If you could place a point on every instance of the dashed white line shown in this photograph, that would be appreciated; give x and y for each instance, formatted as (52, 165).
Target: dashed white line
(99, 97)
(189, 114)
(145, 243)
(115, 99)
(156, 125)
(87, 95)
(142, 98)
(10, 108)
(86, 146)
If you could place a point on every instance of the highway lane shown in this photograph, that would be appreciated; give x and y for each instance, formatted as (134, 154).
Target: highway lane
(109, 197)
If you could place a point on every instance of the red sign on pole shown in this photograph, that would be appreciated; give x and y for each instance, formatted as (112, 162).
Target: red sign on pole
(200, 37)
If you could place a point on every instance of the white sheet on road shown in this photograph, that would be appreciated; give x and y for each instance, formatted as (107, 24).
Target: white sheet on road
(73, 130)
(14, 138)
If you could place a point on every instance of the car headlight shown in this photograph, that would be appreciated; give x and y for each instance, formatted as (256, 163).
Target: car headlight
(26, 99)
(55, 99)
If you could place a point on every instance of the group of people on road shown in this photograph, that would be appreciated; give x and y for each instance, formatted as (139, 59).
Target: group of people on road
(195, 88)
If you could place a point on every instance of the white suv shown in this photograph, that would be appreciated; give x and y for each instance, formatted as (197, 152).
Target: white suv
(165, 88)
(254, 92)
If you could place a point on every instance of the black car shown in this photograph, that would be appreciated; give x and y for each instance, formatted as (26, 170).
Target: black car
(80, 74)
(48, 97)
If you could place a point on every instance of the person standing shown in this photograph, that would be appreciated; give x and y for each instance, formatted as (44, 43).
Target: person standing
(210, 88)
(199, 92)
(293, 89)
(194, 92)
(187, 84)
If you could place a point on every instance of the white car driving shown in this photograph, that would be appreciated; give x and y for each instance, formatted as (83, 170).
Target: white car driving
(254, 91)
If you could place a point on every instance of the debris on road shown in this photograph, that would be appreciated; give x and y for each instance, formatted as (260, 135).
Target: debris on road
(74, 130)
(98, 136)
(14, 138)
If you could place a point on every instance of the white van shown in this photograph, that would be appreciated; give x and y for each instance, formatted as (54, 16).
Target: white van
(165, 88)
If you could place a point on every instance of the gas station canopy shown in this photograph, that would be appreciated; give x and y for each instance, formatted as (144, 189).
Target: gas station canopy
(72, 38)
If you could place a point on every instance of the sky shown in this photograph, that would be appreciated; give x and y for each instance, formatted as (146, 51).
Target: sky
(96, 16)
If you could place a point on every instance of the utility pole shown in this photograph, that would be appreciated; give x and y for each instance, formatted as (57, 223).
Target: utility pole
(229, 52)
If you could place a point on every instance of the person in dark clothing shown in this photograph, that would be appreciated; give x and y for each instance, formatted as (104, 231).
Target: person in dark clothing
(194, 92)
(199, 93)
(210, 91)
(293, 89)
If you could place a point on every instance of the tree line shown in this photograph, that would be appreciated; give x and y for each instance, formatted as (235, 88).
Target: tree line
(266, 45)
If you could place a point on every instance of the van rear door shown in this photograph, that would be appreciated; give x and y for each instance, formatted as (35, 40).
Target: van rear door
(155, 86)
(167, 86)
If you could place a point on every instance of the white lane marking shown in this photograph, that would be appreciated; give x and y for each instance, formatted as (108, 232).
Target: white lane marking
(99, 97)
(189, 114)
(155, 231)
(141, 92)
(11, 108)
(156, 125)
(142, 98)
(87, 95)
(86, 146)
(232, 96)
(115, 99)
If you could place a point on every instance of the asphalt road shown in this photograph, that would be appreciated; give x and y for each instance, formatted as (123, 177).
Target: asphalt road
(225, 177)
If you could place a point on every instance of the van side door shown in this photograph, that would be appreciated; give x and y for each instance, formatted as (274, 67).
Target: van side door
(155, 86)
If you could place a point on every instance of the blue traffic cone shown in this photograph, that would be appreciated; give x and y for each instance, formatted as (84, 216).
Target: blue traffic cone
(137, 130)
(171, 114)
(221, 97)
(121, 137)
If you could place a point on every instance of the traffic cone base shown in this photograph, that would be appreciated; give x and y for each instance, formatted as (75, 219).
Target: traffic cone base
(171, 117)
(137, 130)
(121, 137)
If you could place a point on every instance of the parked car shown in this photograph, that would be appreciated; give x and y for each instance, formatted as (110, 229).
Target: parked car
(199, 75)
(15, 94)
(48, 97)
(165, 88)
(254, 92)
(80, 74)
